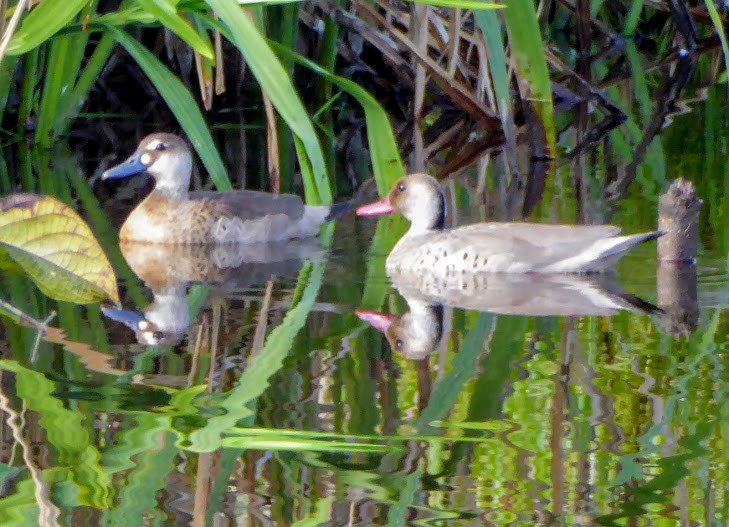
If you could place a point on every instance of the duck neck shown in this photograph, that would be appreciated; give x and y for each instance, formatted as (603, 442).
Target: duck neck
(429, 219)
(173, 179)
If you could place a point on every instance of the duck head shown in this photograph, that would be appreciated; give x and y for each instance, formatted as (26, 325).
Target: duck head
(418, 197)
(414, 335)
(163, 323)
(165, 157)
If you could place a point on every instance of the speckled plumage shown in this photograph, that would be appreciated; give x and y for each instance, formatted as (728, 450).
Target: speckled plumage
(492, 247)
(172, 215)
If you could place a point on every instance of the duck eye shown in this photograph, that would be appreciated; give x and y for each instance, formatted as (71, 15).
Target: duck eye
(401, 187)
(398, 344)
(160, 147)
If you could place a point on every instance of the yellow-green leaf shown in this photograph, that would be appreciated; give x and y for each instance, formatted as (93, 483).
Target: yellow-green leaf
(56, 248)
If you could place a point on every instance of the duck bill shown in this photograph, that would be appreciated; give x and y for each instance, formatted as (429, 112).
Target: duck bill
(377, 208)
(380, 321)
(130, 167)
(129, 318)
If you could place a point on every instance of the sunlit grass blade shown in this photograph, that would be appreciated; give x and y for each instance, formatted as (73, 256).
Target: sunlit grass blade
(89, 76)
(166, 12)
(52, 89)
(277, 85)
(630, 24)
(527, 48)
(460, 4)
(386, 163)
(719, 28)
(7, 71)
(300, 445)
(43, 21)
(182, 105)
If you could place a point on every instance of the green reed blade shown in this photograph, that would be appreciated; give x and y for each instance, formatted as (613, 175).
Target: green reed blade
(28, 97)
(166, 12)
(527, 48)
(632, 18)
(386, 163)
(52, 89)
(43, 21)
(460, 4)
(182, 105)
(7, 74)
(277, 85)
(719, 28)
(89, 76)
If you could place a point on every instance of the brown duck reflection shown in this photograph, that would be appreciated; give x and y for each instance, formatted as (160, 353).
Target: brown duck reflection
(418, 332)
(168, 270)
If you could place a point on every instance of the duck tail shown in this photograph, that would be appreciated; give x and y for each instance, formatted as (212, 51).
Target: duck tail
(612, 249)
(337, 210)
(601, 255)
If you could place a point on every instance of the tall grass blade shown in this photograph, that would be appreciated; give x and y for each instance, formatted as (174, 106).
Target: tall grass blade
(386, 163)
(7, 73)
(527, 48)
(86, 80)
(460, 4)
(182, 105)
(719, 27)
(166, 12)
(633, 17)
(277, 85)
(43, 21)
(52, 90)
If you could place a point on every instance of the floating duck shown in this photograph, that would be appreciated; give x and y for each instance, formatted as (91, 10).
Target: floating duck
(172, 215)
(492, 247)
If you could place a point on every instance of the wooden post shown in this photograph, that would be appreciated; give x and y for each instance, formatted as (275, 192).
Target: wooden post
(678, 218)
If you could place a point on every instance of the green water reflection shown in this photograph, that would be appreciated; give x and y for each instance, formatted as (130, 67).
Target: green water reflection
(279, 406)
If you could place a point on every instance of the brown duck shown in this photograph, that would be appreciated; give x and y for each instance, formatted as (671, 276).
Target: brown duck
(172, 215)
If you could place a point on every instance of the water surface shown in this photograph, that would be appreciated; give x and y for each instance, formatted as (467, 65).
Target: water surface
(276, 404)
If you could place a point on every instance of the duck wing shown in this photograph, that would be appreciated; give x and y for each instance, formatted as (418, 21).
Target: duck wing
(251, 204)
(541, 235)
(522, 247)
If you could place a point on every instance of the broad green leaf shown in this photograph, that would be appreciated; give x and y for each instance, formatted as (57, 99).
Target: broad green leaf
(166, 12)
(386, 163)
(527, 47)
(182, 105)
(43, 21)
(56, 248)
(276, 84)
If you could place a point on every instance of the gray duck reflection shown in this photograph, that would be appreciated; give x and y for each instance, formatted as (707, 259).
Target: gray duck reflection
(168, 270)
(418, 332)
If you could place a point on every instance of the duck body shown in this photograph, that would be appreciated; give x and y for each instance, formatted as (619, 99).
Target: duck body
(172, 215)
(222, 218)
(492, 247)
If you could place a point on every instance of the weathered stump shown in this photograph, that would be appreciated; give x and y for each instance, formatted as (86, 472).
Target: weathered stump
(678, 218)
